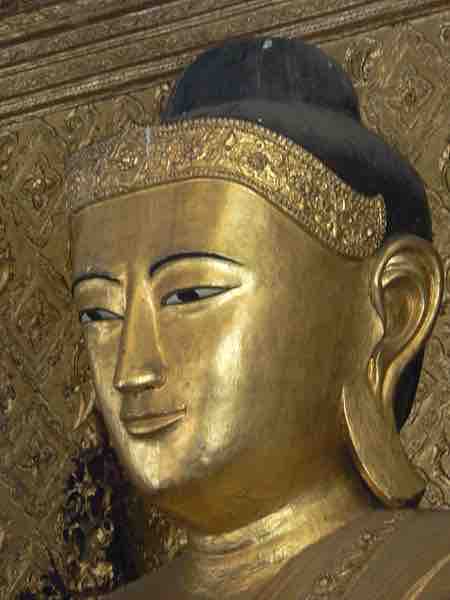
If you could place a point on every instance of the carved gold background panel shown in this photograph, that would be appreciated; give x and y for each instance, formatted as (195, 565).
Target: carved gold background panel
(73, 72)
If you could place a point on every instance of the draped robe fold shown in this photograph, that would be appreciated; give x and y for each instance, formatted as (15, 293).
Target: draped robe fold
(383, 555)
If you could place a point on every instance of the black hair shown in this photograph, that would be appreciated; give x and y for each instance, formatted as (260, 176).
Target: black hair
(295, 89)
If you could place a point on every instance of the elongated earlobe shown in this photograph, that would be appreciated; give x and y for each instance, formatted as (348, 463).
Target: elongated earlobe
(405, 289)
(376, 449)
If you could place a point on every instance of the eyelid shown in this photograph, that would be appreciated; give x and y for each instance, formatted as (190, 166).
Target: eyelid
(203, 292)
(191, 257)
(197, 264)
(93, 293)
(107, 316)
(196, 273)
(93, 278)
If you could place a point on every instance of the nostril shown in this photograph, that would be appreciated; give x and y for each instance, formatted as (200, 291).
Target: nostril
(140, 380)
(158, 379)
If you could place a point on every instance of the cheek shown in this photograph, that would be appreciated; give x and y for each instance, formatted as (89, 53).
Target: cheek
(288, 360)
(207, 357)
(102, 343)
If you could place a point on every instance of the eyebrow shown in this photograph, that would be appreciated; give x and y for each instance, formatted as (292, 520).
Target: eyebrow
(93, 275)
(189, 255)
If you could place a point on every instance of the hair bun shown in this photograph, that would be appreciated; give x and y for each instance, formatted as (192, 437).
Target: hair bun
(275, 69)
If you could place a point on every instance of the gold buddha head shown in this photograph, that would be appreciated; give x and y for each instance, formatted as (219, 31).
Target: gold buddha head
(256, 283)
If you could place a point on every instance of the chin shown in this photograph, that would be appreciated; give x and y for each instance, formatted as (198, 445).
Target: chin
(149, 481)
(152, 479)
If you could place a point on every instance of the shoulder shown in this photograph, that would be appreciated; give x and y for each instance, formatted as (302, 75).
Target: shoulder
(401, 555)
(384, 555)
(412, 562)
(425, 543)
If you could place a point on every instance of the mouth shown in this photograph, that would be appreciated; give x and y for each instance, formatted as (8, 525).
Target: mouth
(149, 423)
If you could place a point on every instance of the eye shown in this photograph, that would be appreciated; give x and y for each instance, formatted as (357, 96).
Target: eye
(194, 294)
(91, 315)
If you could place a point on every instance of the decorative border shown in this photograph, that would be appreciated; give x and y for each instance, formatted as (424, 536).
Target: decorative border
(281, 171)
(65, 53)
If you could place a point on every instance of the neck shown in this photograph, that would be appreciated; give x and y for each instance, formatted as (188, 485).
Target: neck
(241, 562)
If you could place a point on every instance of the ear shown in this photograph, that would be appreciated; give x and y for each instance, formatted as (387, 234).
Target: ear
(406, 291)
(405, 288)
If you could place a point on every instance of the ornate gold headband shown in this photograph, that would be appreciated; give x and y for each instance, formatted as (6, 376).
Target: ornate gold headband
(278, 169)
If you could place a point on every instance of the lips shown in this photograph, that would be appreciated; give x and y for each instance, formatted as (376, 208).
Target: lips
(148, 423)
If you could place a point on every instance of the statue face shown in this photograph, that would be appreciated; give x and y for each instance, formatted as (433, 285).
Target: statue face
(219, 335)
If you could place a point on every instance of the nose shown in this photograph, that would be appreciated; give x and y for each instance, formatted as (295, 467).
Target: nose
(140, 363)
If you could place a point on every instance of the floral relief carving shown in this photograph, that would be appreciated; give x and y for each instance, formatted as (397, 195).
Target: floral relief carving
(411, 93)
(7, 262)
(404, 98)
(161, 96)
(8, 397)
(81, 389)
(38, 456)
(37, 197)
(79, 126)
(333, 585)
(37, 437)
(86, 123)
(444, 168)
(399, 103)
(445, 34)
(361, 60)
(13, 550)
(8, 143)
(40, 186)
(127, 110)
(32, 160)
(36, 319)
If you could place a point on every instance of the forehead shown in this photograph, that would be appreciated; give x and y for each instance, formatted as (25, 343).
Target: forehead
(204, 216)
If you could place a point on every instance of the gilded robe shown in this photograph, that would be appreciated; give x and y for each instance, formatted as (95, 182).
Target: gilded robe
(383, 555)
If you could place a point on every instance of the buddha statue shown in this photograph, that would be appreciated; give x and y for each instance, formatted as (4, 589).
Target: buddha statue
(256, 283)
